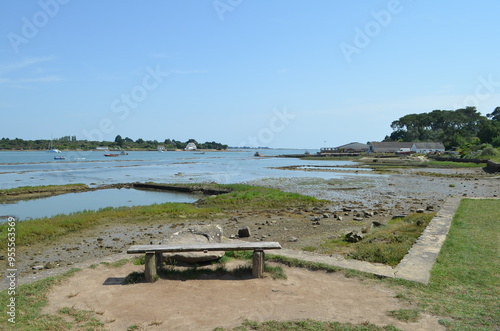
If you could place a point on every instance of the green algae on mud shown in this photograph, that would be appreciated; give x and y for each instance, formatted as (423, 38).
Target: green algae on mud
(34, 192)
(240, 197)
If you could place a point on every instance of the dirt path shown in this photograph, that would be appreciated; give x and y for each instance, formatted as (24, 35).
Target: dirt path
(208, 303)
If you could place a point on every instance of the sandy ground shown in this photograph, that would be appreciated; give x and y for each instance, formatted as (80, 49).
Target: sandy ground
(204, 304)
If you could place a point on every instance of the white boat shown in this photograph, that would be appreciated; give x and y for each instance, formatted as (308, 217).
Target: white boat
(54, 150)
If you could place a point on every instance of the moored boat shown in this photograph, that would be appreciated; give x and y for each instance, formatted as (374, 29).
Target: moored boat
(111, 155)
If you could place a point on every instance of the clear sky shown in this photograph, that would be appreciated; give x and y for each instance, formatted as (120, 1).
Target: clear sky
(280, 73)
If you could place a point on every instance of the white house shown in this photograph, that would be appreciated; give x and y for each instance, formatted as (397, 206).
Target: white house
(424, 148)
(190, 147)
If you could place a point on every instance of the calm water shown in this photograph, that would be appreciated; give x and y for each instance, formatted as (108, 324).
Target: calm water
(94, 200)
(94, 169)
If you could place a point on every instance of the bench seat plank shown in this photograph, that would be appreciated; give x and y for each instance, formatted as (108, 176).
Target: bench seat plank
(240, 246)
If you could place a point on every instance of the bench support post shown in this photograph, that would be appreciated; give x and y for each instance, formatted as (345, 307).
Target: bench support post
(150, 267)
(258, 264)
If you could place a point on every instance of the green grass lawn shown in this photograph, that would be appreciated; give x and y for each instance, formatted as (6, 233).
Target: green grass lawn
(465, 281)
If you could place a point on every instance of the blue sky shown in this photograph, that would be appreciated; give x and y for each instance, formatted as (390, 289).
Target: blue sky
(282, 73)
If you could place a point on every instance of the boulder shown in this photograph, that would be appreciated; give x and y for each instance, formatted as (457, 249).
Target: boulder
(200, 234)
(244, 232)
(353, 236)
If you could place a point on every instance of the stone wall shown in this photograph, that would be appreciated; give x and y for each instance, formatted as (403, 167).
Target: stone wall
(493, 166)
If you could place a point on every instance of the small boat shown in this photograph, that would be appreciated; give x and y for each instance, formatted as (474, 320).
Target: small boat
(59, 158)
(123, 153)
(53, 150)
(113, 155)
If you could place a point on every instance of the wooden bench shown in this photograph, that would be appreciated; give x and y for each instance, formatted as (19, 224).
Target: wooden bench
(154, 253)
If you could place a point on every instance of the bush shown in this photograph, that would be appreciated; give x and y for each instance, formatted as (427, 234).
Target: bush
(489, 152)
(496, 142)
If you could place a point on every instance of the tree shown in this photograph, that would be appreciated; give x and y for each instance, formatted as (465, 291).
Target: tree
(495, 116)
(119, 140)
(447, 126)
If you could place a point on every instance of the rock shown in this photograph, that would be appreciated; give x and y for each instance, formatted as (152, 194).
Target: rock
(314, 219)
(339, 218)
(196, 235)
(316, 223)
(50, 265)
(398, 216)
(376, 224)
(244, 232)
(38, 267)
(430, 208)
(353, 236)
(293, 239)
(359, 219)
(420, 211)
(326, 215)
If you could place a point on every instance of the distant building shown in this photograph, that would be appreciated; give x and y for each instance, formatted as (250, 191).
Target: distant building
(397, 146)
(354, 147)
(160, 148)
(389, 146)
(102, 148)
(430, 147)
(190, 147)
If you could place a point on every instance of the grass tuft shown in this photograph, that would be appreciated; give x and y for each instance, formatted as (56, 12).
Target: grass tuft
(405, 315)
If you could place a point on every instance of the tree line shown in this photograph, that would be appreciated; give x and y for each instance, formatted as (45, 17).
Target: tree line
(456, 129)
(71, 143)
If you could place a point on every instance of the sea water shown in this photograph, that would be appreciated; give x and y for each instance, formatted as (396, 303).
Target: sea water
(94, 169)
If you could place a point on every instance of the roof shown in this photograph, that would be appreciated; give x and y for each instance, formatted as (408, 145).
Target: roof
(429, 145)
(391, 144)
(355, 145)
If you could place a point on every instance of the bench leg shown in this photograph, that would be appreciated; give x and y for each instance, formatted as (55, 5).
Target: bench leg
(258, 264)
(150, 267)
